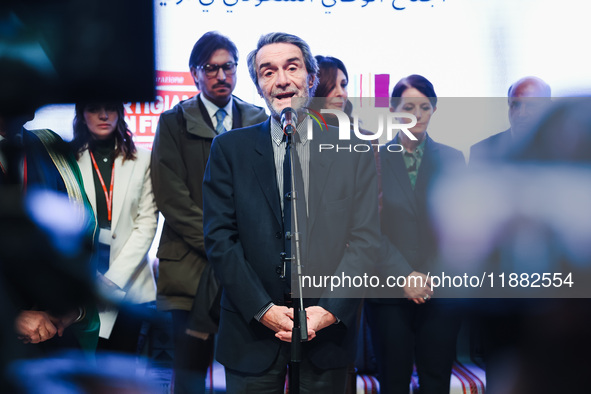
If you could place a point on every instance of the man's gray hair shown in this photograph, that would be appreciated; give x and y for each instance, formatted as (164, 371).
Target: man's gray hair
(275, 38)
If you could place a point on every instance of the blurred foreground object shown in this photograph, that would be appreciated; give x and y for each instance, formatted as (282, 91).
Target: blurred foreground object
(66, 51)
(43, 262)
(72, 373)
(529, 214)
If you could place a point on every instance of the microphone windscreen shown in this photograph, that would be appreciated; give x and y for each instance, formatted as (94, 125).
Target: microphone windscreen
(289, 115)
(288, 120)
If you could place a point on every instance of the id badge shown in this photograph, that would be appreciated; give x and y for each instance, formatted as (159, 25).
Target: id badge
(105, 236)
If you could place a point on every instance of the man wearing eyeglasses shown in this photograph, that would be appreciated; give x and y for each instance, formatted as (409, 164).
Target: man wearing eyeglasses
(179, 156)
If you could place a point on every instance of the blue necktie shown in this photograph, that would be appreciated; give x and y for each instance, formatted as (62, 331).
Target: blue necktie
(220, 115)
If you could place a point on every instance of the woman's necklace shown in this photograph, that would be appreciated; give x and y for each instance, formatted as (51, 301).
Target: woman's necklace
(104, 159)
(103, 150)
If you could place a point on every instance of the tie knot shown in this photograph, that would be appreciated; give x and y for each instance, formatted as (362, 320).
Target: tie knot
(220, 115)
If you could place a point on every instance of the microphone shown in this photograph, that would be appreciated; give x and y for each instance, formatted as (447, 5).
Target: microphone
(289, 119)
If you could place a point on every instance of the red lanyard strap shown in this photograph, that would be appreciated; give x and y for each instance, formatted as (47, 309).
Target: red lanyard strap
(109, 195)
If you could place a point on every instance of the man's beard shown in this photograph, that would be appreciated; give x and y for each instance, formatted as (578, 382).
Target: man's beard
(297, 103)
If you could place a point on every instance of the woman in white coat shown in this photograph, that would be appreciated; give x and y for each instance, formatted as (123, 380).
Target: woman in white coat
(116, 177)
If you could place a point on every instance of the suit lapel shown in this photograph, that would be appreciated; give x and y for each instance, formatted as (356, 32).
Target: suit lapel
(428, 164)
(86, 169)
(236, 116)
(123, 174)
(196, 118)
(205, 114)
(264, 168)
(318, 172)
(393, 165)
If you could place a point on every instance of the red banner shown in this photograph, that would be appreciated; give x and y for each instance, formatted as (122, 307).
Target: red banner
(142, 117)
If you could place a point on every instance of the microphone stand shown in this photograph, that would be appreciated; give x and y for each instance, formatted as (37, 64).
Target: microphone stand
(299, 332)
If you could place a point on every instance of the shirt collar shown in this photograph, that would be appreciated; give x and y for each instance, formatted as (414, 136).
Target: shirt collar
(212, 108)
(277, 132)
(419, 149)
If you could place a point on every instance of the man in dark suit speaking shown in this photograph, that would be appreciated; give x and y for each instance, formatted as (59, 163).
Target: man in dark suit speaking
(245, 233)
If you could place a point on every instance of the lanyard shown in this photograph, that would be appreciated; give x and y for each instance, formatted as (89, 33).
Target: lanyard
(109, 195)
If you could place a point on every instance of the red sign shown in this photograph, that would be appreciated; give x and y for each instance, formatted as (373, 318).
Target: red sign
(142, 117)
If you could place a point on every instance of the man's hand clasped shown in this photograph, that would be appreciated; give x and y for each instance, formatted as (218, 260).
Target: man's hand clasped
(280, 320)
(40, 326)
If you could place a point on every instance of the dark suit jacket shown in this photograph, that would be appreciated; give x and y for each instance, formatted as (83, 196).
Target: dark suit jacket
(493, 148)
(243, 227)
(179, 156)
(408, 237)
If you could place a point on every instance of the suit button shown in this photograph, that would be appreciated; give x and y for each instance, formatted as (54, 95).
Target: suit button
(114, 235)
(278, 235)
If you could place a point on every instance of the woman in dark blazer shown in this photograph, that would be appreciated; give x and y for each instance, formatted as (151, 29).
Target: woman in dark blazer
(412, 328)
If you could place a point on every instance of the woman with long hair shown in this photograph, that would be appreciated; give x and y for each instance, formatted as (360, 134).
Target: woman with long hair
(332, 83)
(116, 177)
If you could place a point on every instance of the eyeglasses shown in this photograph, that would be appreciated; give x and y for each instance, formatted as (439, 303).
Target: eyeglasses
(211, 70)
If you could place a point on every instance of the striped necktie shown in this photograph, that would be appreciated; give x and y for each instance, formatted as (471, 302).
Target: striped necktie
(220, 116)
